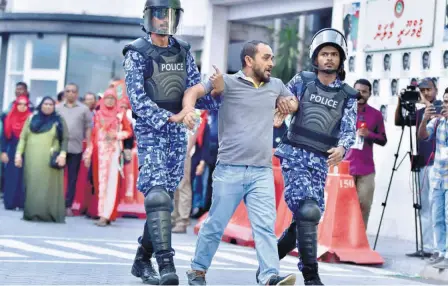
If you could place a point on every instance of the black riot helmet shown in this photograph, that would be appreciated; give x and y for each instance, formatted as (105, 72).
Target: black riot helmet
(329, 37)
(162, 16)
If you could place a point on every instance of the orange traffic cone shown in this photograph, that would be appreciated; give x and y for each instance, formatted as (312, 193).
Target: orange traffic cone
(284, 217)
(341, 235)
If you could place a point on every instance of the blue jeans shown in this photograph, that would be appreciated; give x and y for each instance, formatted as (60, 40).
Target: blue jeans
(231, 184)
(439, 211)
(425, 212)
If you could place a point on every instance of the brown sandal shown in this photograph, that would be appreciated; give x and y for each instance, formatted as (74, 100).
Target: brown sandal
(102, 222)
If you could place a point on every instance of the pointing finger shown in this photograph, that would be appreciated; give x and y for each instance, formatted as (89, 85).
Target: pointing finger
(216, 69)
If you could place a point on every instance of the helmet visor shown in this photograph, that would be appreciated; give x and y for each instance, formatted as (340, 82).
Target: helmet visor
(163, 21)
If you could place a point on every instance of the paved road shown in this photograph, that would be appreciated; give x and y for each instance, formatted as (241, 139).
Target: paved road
(80, 253)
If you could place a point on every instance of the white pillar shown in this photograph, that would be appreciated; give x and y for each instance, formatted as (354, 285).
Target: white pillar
(301, 44)
(216, 40)
(277, 30)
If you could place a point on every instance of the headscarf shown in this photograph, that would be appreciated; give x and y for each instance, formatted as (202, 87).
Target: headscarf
(108, 115)
(42, 122)
(120, 90)
(124, 101)
(15, 119)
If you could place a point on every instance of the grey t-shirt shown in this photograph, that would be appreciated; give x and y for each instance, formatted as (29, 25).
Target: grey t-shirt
(245, 120)
(79, 120)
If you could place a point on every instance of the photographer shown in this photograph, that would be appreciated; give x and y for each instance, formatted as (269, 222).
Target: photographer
(425, 148)
(434, 126)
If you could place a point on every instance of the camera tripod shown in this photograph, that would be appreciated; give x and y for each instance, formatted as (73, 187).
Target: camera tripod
(416, 187)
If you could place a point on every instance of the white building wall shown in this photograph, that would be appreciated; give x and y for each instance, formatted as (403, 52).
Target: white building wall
(248, 10)
(399, 214)
(216, 40)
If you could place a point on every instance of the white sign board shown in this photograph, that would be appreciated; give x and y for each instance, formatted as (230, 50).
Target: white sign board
(398, 24)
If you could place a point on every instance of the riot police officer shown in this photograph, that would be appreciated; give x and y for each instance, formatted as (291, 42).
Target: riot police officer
(158, 69)
(321, 132)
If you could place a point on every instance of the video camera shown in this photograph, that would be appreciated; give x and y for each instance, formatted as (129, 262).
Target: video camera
(408, 99)
(409, 96)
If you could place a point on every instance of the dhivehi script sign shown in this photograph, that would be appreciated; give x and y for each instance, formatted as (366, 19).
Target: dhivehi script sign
(398, 24)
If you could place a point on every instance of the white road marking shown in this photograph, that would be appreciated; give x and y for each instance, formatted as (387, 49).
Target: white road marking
(374, 270)
(80, 239)
(5, 254)
(178, 255)
(43, 250)
(214, 269)
(132, 246)
(224, 255)
(92, 249)
(324, 266)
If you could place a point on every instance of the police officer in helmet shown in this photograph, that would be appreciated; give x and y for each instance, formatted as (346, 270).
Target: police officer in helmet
(320, 133)
(158, 70)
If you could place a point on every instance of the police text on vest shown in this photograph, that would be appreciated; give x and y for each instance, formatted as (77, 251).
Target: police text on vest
(324, 100)
(172, 67)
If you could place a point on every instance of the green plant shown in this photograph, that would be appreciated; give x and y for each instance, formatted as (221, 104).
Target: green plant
(287, 54)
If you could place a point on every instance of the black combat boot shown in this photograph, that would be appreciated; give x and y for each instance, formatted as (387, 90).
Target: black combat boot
(158, 207)
(285, 244)
(307, 238)
(311, 275)
(142, 266)
(167, 270)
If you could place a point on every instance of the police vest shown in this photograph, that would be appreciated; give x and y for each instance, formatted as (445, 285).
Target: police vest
(316, 124)
(165, 73)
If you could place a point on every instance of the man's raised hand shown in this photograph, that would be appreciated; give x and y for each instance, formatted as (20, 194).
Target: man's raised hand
(217, 81)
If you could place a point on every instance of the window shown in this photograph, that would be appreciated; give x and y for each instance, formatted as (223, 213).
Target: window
(46, 52)
(41, 88)
(17, 55)
(39, 61)
(94, 62)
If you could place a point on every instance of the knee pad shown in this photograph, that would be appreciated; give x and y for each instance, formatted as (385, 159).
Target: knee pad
(158, 199)
(308, 212)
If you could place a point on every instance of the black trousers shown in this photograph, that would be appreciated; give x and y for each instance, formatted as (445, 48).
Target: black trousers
(73, 164)
(208, 195)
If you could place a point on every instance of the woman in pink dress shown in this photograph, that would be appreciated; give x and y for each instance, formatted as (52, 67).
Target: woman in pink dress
(109, 130)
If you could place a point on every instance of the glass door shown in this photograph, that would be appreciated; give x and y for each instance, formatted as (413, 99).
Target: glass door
(40, 62)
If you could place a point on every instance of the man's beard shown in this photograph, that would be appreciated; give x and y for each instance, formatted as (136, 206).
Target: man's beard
(260, 75)
(362, 101)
